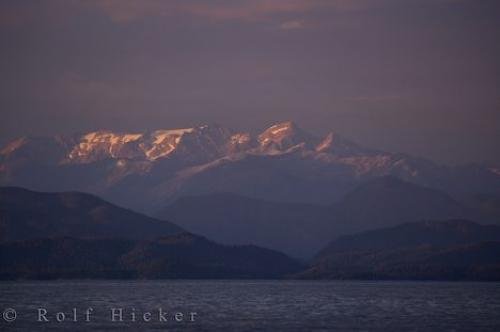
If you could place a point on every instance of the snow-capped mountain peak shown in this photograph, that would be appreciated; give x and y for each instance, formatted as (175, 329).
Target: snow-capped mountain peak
(285, 135)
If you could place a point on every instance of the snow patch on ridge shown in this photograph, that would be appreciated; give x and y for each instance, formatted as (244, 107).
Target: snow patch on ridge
(161, 135)
(14, 145)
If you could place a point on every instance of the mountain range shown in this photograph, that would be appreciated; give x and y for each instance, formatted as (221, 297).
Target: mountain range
(147, 171)
(76, 235)
(300, 229)
(282, 190)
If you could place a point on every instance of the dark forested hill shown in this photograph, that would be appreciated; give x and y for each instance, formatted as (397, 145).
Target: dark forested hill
(26, 214)
(453, 249)
(177, 256)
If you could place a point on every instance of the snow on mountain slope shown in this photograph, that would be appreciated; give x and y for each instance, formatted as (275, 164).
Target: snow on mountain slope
(209, 142)
(284, 163)
(336, 144)
(284, 136)
(100, 145)
(164, 142)
(103, 144)
(205, 142)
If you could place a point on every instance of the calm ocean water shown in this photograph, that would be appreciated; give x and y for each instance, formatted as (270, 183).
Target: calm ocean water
(251, 306)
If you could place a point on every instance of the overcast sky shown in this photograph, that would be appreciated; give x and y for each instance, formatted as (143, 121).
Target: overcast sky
(415, 76)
